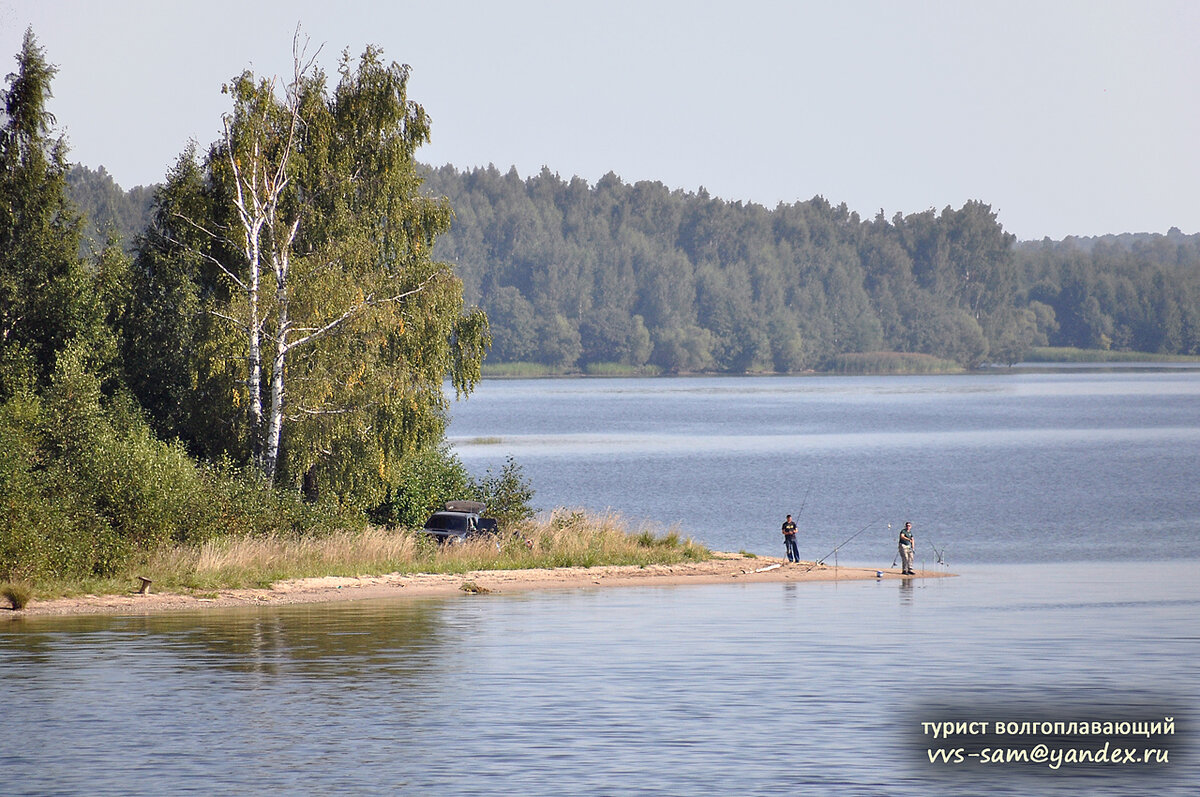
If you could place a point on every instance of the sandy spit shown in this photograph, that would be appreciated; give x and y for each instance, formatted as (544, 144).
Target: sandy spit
(723, 568)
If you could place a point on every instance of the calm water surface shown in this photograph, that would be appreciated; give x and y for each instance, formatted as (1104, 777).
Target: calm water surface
(749, 689)
(1065, 502)
(990, 468)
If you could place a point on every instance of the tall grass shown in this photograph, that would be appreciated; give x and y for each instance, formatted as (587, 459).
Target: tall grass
(560, 539)
(1062, 354)
(17, 593)
(890, 362)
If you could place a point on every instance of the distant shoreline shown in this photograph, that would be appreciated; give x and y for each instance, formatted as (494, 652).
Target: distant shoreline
(723, 568)
(1044, 360)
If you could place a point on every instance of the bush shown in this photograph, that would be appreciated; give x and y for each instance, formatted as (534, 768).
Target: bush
(86, 488)
(507, 495)
(428, 479)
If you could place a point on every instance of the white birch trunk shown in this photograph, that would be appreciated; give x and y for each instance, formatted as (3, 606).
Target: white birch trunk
(275, 416)
(274, 428)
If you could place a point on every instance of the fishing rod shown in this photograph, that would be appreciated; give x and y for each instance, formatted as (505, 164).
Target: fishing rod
(938, 553)
(804, 503)
(821, 561)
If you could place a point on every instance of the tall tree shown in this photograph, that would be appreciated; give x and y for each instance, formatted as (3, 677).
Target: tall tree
(308, 238)
(41, 275)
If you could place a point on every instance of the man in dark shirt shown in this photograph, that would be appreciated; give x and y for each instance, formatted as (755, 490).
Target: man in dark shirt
(789, 540)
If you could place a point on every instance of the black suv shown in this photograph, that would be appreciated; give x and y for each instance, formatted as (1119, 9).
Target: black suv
(460, 521)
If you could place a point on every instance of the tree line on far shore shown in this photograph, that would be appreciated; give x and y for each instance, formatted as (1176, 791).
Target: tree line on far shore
(575, 276)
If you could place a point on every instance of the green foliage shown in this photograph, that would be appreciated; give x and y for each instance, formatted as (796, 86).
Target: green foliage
(1063, 354)
(507, 495)
(42, 280)
(547, 257)
(890, 363)
(719, 286)
(1128, 293)
(86, 487)
(108, 210)
(578, 277)
(310, 338)
(620, 369)
(427, 479)
(521, 370)
(431, 477)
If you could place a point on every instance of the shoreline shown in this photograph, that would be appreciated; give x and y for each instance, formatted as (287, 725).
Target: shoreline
(723, 568)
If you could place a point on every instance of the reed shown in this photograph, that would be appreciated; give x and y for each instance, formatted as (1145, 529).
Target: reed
(524, 370)
(890, 362)
(621, 369)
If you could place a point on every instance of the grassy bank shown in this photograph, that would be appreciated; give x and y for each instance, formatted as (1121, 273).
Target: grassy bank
(562, 539)
(1050, 354)
(858, 363)
(523, 370)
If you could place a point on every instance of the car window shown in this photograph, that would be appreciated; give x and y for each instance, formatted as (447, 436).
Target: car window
(447, 522)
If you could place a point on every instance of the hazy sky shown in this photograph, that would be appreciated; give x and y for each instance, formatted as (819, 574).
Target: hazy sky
(1068, 118)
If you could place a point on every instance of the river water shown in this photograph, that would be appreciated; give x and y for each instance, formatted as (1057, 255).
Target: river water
(1031, 467)
(1065, 502)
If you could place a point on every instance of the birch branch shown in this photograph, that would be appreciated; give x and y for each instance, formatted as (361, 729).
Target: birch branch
(236, 322)
(234, 277)
(369, 301)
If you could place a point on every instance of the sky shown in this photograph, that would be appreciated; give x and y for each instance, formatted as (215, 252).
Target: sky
(1067, 118)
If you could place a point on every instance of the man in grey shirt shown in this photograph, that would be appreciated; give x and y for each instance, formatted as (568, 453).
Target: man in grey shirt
(906, 550)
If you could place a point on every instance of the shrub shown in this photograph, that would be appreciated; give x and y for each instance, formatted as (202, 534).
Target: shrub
(428, 479)
(507, 495)
(18, 594)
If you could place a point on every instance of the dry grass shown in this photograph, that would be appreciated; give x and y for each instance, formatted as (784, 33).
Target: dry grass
(560, 539)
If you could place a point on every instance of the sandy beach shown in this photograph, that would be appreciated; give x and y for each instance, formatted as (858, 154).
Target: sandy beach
(723, 568)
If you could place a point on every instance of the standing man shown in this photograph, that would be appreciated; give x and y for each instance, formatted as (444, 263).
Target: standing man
(789, 540)
(906, 550)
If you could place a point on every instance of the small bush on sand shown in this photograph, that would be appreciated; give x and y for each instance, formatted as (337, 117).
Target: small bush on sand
(18, 594)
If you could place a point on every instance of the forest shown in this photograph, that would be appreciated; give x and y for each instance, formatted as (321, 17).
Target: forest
(572, 274)
(582, 277)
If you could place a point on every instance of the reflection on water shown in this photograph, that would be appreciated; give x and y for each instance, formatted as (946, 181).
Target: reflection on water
(301, 640)
(748, 689)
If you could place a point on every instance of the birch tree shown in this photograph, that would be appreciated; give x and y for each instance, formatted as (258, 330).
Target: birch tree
(315, 252)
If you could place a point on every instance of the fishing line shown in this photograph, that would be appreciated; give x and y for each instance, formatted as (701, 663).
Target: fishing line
(938, 553)
(804, 503)
(821, 561)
